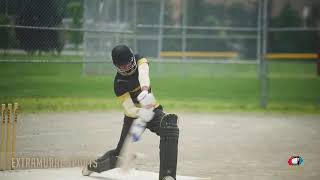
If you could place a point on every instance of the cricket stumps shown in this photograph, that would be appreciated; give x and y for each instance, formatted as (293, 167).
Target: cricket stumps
(9, 119)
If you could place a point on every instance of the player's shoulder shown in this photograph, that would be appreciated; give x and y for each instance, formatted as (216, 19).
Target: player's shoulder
(138, 56)
(140, 59)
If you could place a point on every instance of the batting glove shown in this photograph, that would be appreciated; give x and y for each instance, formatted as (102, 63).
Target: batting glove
(145, 114)
(146, 99)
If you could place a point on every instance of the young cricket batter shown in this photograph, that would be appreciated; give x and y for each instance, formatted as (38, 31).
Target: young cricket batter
(141, 110)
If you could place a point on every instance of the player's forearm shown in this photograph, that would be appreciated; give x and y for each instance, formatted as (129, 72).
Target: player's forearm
(145, 114)
(144, 79)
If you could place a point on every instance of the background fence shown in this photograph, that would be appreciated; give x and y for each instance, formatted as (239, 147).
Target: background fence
(255, 40)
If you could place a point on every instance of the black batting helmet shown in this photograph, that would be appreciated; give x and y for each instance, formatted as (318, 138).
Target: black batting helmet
(124, 60)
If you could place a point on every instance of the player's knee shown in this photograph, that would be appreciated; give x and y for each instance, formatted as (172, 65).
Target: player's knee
(158, 114)
(169, 126)
(154, 124)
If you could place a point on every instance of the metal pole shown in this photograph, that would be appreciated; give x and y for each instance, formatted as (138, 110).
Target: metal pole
(259, 34)
(117, 19)
(118, 12)
(160, 36)
(184, 30)
(85, 34)
(264, 63)
(135, 25)
(6, 7)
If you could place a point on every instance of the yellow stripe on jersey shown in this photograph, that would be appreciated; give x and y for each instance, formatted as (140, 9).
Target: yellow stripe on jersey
(135, 89)
(143, 60)
(124, 96)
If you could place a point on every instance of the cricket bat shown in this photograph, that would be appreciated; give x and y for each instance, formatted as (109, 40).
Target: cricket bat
(127, 153)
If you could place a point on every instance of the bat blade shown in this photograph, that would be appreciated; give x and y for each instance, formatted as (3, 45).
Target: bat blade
(128, 153)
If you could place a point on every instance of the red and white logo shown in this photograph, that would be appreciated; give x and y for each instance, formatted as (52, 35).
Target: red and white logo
(295, 161)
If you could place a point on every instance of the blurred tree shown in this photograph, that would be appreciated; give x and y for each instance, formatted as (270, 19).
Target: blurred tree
(288, 17)
(194, 15)
(4, 32)
(40, 13)
(296, 42)
(75, 10)
(238, 14)
(204, 13)
(8, 7)
(7, 14)
(212, 14)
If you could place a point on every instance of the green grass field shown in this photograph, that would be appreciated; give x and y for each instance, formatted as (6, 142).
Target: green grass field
(293, 87)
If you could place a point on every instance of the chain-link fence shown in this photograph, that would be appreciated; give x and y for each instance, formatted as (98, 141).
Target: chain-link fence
(175, 30)
(176, 35)
(161, 29)
(186, 29)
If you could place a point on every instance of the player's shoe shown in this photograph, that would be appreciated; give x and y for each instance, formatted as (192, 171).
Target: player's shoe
(168, 178)
(86, 171)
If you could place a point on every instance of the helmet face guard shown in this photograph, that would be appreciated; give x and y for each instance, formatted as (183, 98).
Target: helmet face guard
(127, 69)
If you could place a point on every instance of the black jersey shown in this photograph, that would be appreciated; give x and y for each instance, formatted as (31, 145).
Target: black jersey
(129, 86)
